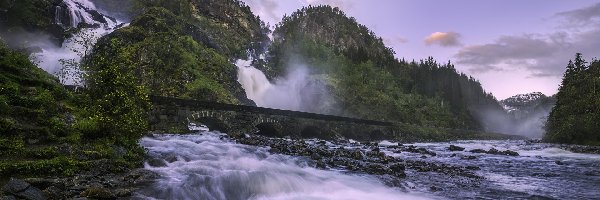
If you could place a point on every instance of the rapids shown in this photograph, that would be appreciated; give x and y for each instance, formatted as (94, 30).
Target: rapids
(211, 166)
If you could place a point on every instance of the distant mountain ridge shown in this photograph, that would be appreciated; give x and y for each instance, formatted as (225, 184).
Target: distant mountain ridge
(523, 104)
(529, 112)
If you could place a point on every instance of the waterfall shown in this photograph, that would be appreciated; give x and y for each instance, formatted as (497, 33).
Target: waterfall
(78, 11)
(57, 14)
(296, 91)
(51, 58)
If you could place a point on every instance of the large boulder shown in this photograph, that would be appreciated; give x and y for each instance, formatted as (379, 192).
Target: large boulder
(24, 190)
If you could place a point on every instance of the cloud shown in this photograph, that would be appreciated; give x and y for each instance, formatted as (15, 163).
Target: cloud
(540, 55)
(395, 40)
(445, 39)
(344, 5)
(582, 16)
(264, 8)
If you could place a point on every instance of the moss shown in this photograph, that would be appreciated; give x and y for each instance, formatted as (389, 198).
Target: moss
(46, 130)
(57, 166)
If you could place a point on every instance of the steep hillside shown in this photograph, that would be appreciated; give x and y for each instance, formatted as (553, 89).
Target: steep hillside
(367, 81)
(43, 130)
(182, 49)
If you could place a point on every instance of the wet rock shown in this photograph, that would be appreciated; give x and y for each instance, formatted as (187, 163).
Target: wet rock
(53, 192)
(539, 197)
(123, 192)
(155, 162)
(45, 182)
(455, 148)
(558, 162)
(22, 189)
(435, 189)
(478, 151)
(98, 193)
(171, 158)
(545, 175)
(140, 176)
(315, 156)
(376, 154)
(15, 186)
(356, 155)
(494, 151)
(321, 165)
(468, 157)
(398, 170)
(378, 169)
(510, 153)
(591, 173)
(9, 197)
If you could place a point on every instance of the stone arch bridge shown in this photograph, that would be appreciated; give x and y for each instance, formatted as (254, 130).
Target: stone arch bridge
(173, 115)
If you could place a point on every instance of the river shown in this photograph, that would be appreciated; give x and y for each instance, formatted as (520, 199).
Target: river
(212, 166)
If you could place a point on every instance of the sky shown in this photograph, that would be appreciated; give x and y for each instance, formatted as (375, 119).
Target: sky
(510, 46)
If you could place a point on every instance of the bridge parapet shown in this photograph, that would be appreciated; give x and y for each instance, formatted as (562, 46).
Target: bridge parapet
(173, 115)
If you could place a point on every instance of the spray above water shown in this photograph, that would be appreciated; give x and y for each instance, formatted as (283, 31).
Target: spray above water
(298, 90)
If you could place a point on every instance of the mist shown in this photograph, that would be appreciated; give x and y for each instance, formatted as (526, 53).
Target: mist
(43, 48)
(298, 90)
(529, 124)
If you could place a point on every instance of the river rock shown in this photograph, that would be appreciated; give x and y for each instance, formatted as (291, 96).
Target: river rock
(398, 170)
(155, 162)
(15, 186)
(478, 151)
(24, 190)
(455, 148)
(494, 151)
(98, 193)
(356, 155)
(140, 176)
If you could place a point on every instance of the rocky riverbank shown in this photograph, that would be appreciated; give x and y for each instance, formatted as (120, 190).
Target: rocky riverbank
(366, 158)
(90, 185)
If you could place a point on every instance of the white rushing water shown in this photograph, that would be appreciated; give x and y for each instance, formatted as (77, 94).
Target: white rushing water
(209, 167)
(296, 91)
(52, 58)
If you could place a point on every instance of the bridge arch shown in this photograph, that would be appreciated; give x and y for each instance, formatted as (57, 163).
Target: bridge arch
(269, 129)
(214, 124)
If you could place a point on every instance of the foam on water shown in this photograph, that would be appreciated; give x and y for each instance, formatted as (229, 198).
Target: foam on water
(208, 167)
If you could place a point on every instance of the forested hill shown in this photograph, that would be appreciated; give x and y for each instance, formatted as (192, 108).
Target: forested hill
(576, 117)
(368, 81)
